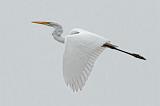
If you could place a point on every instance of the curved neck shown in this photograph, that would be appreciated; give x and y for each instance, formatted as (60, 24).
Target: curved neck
(57, 34)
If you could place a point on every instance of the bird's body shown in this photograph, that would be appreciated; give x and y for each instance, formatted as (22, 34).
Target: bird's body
(82, 48)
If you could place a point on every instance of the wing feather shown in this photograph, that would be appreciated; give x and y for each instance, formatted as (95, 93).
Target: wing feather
(81, 52)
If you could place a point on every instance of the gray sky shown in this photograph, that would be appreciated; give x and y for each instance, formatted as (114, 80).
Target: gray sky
(31, 60)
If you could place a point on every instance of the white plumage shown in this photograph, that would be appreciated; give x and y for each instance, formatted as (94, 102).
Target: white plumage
(81, 51)
(82, 48)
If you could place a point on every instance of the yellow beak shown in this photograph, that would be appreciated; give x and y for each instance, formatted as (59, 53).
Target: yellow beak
(40, 22)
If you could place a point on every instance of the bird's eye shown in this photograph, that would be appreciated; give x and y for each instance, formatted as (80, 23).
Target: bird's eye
(75, 32)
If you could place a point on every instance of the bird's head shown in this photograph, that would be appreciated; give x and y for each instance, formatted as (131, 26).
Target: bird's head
(51, 24)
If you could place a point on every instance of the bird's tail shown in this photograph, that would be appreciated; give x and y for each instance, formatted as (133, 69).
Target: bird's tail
(111, 46)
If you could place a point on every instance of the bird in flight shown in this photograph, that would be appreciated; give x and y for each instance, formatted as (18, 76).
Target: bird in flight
(82, 48)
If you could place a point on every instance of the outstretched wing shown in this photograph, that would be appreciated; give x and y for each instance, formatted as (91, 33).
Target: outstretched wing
(81, 52)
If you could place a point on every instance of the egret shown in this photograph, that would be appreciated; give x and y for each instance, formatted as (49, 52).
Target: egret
(82, 48)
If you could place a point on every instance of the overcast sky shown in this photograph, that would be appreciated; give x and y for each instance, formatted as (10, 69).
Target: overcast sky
(31, 60)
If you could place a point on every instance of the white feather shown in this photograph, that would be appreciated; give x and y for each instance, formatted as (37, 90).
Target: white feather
(81, 52)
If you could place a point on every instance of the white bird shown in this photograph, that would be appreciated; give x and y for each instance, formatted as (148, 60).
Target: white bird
(82, 48)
